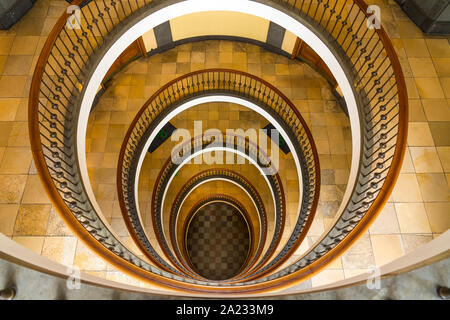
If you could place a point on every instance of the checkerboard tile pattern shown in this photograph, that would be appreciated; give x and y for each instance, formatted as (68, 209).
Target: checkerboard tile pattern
(218, 241)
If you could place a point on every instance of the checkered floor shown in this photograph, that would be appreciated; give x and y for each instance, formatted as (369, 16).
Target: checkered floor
(218, 241)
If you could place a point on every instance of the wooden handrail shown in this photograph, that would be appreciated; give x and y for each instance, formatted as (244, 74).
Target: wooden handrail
(192, 75)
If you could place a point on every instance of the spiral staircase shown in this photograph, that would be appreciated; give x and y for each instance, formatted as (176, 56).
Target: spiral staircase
(169, 231)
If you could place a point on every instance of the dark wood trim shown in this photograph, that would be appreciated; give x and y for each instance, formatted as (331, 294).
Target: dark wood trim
(427, 21)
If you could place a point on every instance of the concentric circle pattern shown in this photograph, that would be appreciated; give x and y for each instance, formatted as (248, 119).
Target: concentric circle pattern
(218, 241)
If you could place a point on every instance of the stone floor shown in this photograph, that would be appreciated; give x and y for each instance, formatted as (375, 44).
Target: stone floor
(245, 120)
(417, 211)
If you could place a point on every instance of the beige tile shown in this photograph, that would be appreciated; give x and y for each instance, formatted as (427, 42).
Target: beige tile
(121, 278)
(349, 273)
(425, 159)
(12, 187)
(415, 48)
(442, 66)
(60, 249)
(411, 87)
(412, 218)
(18, 66)
(439, 48)
(419, 135)
(341, 176)
(323, 146)
(12, 86)
(56, 226)
(2, 63)
(407, 189)
(445, 83)
(119, 227)
(386, 248)
(19, 135)
(239, 57)
(386, 222)
(407, 166)
(359, 255)
(433, 187)
(5, 44)
(32, 243)
(32, 220)
(438, 216)
(447, 176)
(316, 228)
(422, 67)
(30, 26)
(225, 57)
(416, 112)
(439, 131)
(22, 111)
(100, 274)
(281, 69)
(8, 214)
(106, 192)
(183, 56)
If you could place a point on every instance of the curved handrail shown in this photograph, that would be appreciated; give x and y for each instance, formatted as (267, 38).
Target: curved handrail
(377, 76)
